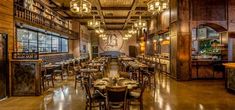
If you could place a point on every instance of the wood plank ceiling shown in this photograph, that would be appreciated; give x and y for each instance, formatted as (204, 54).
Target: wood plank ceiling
(114, 14)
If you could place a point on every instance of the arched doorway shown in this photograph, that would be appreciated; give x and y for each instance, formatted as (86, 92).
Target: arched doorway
(209, 50)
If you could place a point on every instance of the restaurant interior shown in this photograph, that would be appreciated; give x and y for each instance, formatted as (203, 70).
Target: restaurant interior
(117, 54)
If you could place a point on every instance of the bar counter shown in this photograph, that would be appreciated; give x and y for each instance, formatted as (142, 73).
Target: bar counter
(207, 69)
(230, 76)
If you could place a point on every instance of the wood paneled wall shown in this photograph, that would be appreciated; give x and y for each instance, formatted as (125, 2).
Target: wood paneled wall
(7, 26)
(231, 16)
(209, 10)
(7, 22)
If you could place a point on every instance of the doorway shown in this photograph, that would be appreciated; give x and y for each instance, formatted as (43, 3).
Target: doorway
(132, 51)
(3, 66)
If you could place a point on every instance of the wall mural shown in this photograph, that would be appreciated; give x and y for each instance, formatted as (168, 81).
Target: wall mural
(114, 41)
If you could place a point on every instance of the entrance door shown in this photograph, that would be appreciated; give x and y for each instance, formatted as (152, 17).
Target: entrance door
(95, 51)
(3, 66)
(132, 51)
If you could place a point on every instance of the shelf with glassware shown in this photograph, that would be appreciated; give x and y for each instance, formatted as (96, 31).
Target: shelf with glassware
(42, 9)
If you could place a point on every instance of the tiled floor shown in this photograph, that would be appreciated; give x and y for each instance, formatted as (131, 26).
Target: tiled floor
(169, 95)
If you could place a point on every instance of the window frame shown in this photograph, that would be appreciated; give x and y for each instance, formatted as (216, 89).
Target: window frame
(46, 34)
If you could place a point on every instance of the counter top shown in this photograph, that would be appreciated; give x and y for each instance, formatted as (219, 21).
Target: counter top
(229, 65)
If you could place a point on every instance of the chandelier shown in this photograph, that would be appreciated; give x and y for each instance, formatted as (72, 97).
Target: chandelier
(93, 23)
(124, 38)
(80, 6)
(105, 38)
(127, 36)
(140, 23)
(99, 30)
(102, 35)
(132, 31)
(157, 6)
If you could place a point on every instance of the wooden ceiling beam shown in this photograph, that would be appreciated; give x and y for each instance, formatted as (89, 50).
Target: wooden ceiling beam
(98, 6)
(109, 17)
(107, 23)
(133, 7)
(64, 8)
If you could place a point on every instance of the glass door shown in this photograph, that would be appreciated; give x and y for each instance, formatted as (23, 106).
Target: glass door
(3, 66)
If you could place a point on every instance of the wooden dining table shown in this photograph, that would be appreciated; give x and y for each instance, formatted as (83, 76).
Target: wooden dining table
(138, 66)
(88, 70)
(101, 84)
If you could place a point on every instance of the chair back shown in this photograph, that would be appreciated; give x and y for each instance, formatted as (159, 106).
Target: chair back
(87, 89)
(116, 94)
(143, 86)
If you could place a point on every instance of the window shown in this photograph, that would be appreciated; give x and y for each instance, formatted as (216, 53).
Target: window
(31, 41)
(55, 44)
(44, 43)
(64, 45)
(26, 41)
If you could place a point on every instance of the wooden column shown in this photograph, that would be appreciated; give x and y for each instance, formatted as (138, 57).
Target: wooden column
(7, 26)
(76, 43)
(180, 39)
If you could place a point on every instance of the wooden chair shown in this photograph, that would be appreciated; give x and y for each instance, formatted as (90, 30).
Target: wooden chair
(96, 99)
(78, 76)
(151, 75)
(48, 77)
(137, 95)
(71, 68)
(59, 71)
(116, 98)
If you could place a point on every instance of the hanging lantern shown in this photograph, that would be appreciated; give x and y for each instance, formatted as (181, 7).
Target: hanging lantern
(157, 6)
(93, 23)
(80, 7)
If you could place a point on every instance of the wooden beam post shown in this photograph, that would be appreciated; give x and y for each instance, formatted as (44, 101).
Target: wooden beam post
(180, 39)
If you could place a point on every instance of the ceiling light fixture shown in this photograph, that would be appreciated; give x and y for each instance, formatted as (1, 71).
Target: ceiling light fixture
(132, 30)
(99, 30)
(93, 23)
(80, 7)
(128, 35)
(157, 6)
(102, 35)
(140, 23)
(125, 38)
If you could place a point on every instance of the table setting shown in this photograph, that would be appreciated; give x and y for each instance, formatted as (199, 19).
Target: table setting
(101, 84)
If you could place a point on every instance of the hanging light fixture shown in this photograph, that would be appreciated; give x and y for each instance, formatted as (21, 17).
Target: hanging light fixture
(128, 35)
(93, 23)
(157, 6)
(102, 35)
(132, 31)
(99, 30)
(140, 23)
(104, 38)
(80, 7)
(125, 38)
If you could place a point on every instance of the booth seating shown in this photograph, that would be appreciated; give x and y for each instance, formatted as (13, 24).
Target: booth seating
(56, 58)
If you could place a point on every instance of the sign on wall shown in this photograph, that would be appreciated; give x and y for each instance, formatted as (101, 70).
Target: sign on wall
(114, 41)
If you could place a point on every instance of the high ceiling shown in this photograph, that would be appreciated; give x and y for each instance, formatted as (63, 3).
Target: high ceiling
(115, 14)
